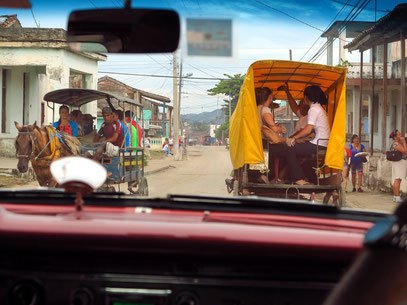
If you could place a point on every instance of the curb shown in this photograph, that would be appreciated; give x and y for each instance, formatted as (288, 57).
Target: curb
(158, 170)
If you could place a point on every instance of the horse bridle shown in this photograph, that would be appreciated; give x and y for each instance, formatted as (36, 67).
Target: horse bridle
(33, 139)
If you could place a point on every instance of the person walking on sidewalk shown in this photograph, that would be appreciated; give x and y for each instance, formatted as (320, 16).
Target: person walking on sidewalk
(398, 168)
(356, 162)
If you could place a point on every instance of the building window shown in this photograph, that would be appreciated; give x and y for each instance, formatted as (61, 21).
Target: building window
(376, 113)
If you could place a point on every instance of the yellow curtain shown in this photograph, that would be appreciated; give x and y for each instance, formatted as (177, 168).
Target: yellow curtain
(245, 144)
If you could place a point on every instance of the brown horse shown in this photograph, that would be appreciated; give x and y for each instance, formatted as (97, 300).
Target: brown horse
(33, 144)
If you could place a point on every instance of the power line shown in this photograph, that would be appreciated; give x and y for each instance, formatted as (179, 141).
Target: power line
(284, 13)
(165, 76)
(91, 2)
(348, 19)
(326, 44)
(352, 18)
(337, 14)
(159, 63)
(201, 70)
(346, 4)
(34, 18)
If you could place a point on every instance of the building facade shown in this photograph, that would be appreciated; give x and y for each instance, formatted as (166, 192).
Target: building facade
(34, 61)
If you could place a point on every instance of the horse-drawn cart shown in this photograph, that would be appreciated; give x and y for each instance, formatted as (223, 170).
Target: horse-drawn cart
(128, 166)
(246, 149)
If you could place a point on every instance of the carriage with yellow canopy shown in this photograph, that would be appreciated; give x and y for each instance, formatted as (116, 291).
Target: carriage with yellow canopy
(246, 149)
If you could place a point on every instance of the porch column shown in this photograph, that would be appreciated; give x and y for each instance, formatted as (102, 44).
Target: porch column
(170, 123)
(403, 82)
(356, 109)
(373, 101)
(359, 116)
(384, 118)
(342, 42)
(163, 119)
(330, 53)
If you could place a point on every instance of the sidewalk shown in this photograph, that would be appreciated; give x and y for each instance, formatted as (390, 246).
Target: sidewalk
(158, 165)
(8, 165)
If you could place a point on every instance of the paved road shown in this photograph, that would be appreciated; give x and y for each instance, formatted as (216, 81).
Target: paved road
(203, 173)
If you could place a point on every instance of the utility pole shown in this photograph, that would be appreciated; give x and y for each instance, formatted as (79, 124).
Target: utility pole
(176, 107)
(178, 155)
(290, 112)
(230, 111)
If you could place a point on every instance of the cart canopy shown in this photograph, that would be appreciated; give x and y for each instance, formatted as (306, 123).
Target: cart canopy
(78, 97)
(245, 135)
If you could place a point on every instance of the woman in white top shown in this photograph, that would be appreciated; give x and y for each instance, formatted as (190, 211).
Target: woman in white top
(317, 120)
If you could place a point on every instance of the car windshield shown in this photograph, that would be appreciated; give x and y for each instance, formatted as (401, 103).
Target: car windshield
(277, 99)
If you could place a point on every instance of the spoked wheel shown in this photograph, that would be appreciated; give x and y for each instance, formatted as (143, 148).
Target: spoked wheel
(107, 189)
(236, 188)
(342, 197)
(139, 188)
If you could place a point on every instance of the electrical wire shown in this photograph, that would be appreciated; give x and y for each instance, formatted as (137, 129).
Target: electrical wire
(353, 17)
(332, 21)
(91, 2)
(342, 28)
(327, 43)
(165, 76)
(292, 17)
(383, 11)
(32, 13)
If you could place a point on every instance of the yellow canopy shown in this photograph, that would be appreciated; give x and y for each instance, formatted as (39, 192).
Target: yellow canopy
(245, 136)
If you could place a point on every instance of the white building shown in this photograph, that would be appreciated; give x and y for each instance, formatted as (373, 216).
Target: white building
(34, 61)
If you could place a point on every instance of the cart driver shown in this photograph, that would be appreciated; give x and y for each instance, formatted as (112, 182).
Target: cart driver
(110, 133)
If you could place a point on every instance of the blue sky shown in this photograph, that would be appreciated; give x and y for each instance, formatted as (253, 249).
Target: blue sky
(262, 30)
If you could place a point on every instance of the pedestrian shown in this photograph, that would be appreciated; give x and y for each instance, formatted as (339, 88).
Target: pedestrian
(356, 162)
(398, 168)
(345, 172)
(147, 146)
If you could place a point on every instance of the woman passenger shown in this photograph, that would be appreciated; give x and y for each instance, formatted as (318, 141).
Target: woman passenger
(264, 99)
(64, 124)
(317, 120)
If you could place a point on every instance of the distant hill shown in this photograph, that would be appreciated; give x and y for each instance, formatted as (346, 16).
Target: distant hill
(204, 117)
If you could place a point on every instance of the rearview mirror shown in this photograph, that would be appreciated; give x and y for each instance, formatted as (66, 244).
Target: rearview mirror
(124, 30)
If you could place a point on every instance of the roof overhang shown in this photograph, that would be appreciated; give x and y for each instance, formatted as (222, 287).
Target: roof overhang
(387, 29)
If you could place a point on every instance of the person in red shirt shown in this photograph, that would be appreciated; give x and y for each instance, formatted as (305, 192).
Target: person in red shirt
(111, 133)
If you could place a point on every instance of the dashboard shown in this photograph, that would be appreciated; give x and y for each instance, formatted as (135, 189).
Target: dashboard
(155, 256)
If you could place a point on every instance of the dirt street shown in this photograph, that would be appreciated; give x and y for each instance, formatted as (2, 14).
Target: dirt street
(207, 167)
(203, 173)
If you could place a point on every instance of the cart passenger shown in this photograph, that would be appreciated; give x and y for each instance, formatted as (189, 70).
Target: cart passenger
(136, 132)
(317, 120)
(264, 100)
(118, 117)
(111, 133)
(64, 124)
(76, 116)
(301, 111)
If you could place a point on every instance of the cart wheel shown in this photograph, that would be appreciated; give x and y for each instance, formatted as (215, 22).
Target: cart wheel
(235, 188)
(107, 189)
(342, 197)
(229, 185)
(143, 187)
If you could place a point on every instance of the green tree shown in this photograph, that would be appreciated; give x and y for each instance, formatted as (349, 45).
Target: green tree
(231, 88)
